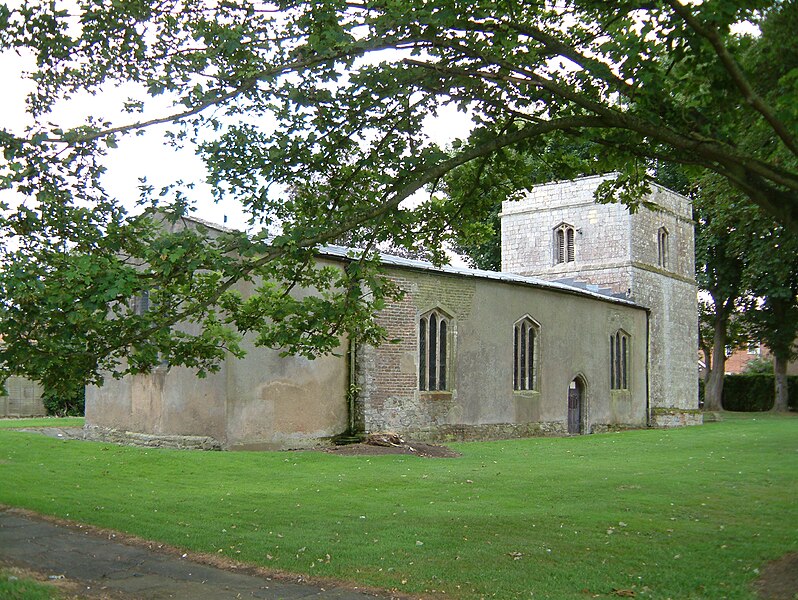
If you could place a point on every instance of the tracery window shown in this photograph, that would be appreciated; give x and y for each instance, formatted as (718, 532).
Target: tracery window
(525, 349)
(564, 251)
(619, 360)
(141, 303)
(662, 247)
(433, 345)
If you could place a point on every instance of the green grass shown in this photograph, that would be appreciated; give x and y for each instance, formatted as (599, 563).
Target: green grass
(42, 422)
(684, 513)
(13, 587)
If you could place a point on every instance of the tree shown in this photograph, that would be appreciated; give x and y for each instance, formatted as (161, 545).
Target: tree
(772, 307)
(746, 261)
(346, 87)
(720, 265)
(748, 264)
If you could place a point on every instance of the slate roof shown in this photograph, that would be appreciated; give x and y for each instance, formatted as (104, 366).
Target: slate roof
(568, 286)
(571, 286)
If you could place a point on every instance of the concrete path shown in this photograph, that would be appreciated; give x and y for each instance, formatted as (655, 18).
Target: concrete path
(137, 572)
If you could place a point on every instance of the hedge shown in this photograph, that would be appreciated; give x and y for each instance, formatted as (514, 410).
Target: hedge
(752, 393)
(61, 406)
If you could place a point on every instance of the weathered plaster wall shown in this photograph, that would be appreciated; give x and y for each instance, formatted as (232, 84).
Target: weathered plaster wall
(165, 404)
(276, 402)
(263, 401)
(481, 402)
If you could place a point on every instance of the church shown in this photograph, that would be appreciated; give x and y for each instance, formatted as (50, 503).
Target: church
(591, 326)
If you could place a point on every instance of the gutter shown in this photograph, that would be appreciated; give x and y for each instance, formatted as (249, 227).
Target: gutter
(648, 363)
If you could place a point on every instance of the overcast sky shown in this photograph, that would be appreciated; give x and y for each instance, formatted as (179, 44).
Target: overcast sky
(147, 155)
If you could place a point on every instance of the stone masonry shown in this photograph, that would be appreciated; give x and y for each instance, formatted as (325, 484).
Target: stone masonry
(621, 251)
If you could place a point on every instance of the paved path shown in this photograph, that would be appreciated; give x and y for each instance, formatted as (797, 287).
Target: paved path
(137, 572)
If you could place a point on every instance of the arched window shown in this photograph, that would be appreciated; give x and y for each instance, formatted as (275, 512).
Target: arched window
(141, 303)
(433, 343)
(525, 351)
(564, 251)
(662, 247)
(619, 360)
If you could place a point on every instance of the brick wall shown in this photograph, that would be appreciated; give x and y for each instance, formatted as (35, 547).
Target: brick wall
(387, 378)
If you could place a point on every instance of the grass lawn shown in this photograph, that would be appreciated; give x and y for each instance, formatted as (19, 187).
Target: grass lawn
(42, 422)
(16, 587)
(686, 513)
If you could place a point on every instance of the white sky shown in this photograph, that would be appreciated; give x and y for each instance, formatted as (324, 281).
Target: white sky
(147, 155)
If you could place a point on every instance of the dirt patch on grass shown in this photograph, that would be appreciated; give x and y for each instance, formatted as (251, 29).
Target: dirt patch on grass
(778, 579)
(379, 444)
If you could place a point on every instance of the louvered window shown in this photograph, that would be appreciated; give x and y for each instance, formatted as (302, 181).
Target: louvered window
(564, 243)
(662, 247)
(141, 303)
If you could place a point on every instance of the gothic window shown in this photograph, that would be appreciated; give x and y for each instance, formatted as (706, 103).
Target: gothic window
(433, 342)
(564, 243)
(525, 349)
(662, 247)
(619, 360)
(141, 303)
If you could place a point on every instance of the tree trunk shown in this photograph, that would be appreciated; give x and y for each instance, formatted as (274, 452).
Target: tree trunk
(782, 394)
(707, 352)
(713, 388)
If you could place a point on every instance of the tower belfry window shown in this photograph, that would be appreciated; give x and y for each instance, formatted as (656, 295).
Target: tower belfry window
(662, 247)
(564, 250)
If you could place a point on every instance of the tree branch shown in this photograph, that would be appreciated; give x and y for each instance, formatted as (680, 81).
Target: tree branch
(735, 72)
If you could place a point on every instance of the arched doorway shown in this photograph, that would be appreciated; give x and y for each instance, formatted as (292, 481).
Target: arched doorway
(576, 405)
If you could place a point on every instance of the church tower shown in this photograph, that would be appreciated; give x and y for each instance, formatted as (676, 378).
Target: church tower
(558, 232)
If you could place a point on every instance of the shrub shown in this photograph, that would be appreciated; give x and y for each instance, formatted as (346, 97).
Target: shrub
(64, 406)
(758, 366)
(754, 393)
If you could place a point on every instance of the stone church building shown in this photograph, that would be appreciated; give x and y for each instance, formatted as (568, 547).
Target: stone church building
(591, 326)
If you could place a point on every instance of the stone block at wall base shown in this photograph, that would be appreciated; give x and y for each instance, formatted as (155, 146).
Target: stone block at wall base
(613, 427)
(675, 417)
(133, 438)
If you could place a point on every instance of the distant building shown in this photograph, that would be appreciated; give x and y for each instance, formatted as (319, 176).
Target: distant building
(737, 359)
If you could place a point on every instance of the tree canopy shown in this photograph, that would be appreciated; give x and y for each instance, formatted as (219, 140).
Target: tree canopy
(312, 116)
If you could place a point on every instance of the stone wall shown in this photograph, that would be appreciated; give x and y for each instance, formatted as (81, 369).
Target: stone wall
(480, 402)
(602, 241)
(618, 250)
(24, 399)
(670, 292)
